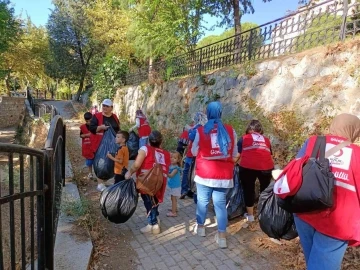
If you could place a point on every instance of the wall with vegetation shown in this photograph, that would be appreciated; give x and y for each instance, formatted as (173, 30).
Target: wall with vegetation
(293, 96)
(11, 109)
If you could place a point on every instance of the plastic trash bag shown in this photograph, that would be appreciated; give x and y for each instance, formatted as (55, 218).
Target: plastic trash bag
(118, 202)
(235, 203)
(103, 166)
(275, 221)
(133, 145)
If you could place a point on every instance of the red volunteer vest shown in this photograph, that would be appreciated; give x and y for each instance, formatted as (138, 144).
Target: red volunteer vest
(144, 129)
(256, 153)
(188, 152)
(209, 160)
(86, 147)
(163, 157)
(96, 138)
(342, 221)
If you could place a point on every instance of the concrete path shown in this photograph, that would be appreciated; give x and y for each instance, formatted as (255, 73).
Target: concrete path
(73, 246)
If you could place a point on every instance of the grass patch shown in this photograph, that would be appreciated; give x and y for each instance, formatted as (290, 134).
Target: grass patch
(77, 209)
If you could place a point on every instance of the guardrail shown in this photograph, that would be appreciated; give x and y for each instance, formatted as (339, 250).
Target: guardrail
(31, 184)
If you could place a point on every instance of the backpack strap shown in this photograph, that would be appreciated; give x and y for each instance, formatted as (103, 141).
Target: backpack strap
(336, 148)
(319, 148)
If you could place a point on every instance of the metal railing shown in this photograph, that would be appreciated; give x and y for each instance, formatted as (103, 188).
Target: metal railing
(31, 184)
(310, 26)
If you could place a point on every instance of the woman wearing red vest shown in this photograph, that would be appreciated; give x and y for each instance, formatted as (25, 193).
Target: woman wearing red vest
(144, 162)
(99, 123)
(215, 151)
(143, 127)
(325, 235)
(255, 163)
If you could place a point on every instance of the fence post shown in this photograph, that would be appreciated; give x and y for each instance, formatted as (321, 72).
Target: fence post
(250, 45)
(200, 61)
(64, 154)
(49, 214)
(343, 25)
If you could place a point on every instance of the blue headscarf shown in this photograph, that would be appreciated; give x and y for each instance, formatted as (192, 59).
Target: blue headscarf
(214, 111)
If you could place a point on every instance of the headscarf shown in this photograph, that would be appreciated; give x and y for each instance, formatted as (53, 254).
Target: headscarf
(346, 125)
(214, 111)
(199, 118)
(140, 114)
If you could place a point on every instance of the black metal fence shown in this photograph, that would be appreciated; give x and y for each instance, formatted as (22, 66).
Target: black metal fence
(310, 26)
(31, 184)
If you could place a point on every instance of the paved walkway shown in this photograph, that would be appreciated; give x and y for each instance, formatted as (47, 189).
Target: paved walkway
(177, 248)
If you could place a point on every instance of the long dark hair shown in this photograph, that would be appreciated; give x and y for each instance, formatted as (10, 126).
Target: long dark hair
(254, 126)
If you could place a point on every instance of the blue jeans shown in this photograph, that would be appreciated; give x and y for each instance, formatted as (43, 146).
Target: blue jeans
(148, 203)
(185, 175)
(143, 141)
(219, 199)
(321, 252)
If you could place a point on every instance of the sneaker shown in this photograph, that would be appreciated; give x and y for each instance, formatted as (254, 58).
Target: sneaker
(171, 214)
(90, 176)
(220, 241)
(155, 229)
(148, 228)
(101, 187)
(249, 218)
(182, 196)
(200, 231)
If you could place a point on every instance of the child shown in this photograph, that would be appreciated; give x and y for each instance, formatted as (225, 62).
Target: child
(174, 182)
(121, 158)
(143, 127)
(86, 143)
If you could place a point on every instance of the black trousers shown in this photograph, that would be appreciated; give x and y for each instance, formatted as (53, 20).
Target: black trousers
(248, 178)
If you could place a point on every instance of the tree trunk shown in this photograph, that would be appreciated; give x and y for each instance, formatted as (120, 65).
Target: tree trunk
(81, 86)
(151, 70)
(237, 16)
(237, 24)
(8, 84)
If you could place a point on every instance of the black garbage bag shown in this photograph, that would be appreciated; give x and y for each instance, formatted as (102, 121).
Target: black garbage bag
(103, 166)
(118, 202)
(235, 203)
(275, 221)
(133, 145)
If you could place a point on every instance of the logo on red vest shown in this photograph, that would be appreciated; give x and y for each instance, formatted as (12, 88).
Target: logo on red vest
(341, 159)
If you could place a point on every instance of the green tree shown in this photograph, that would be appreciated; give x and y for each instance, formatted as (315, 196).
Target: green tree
(9, 26)
(71, 43)
(226, 34)
(25, 60)
(231, 11)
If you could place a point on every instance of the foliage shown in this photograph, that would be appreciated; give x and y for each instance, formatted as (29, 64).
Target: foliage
(110, 75)
(226, 34)
(71, 43)
(75, 208)
(163, 28)
(9, 26)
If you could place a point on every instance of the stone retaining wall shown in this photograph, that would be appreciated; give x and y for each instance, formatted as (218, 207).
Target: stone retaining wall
(11, 109)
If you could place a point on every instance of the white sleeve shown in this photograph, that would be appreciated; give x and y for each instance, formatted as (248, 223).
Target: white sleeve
(137, 122)
(195, 145)
(144, 148)
(235, 150)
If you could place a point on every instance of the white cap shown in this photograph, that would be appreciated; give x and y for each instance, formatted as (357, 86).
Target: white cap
(107, 102)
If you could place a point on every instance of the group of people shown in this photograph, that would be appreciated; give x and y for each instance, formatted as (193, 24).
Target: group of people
(215, 149)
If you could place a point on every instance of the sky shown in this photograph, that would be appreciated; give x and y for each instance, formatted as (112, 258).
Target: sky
(39, 11)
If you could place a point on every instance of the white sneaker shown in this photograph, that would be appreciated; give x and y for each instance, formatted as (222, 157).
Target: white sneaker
(249, 218)
(220, 241)
(200, 231)
(101, 187)
(148, 228)
(156, 229)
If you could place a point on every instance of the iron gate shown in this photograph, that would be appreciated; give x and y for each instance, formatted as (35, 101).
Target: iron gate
(31, 184)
